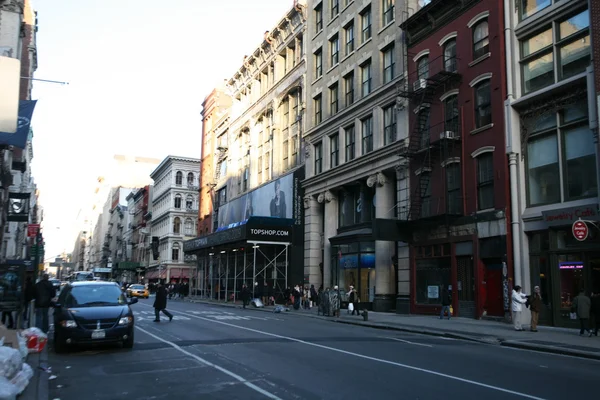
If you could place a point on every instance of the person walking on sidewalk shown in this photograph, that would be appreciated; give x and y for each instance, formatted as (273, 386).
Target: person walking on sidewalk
(446, 303)
(518, 299)
(595, 311)
(352, 301)
(535, 305)
(245, 295)
(44, 293)
(160, 303)
(582, 305)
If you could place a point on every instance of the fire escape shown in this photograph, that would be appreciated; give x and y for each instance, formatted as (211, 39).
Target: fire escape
(221, 155)
(431, 80)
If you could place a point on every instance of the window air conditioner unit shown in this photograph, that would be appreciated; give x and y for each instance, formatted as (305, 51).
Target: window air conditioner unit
(448, 135)
(419, 84)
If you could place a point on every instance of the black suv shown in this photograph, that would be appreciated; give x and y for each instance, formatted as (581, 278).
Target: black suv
(90, 312)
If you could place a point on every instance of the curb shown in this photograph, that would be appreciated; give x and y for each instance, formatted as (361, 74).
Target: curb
(551, 349)
(38, 387)
(489, 340)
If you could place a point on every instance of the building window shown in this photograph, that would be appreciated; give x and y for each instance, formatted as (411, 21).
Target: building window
(485, 181)
(260, 168)
(221, 197)
(318, 110)
(423, 120)
(365, 73)
(334, 50)
(425, 187)
(349, 33)
(388, 64)
(367, 135)
(450, 63)
(318, 63)
(178, 178)
(319, 18)
(349, 89)
(285, 150)
(365, 22)
(550, 181)
(177, 201)
(388, 11)
(334, 154)
(483, 104)
(175, 252)
(451, 117)
(318, 158)
(177, 226)
(423, 67)
(335, 8)
(190, 179)
(333, 99)
(569, 52)
(189, 202)
(350, 137)
(453, 185)
(389, 125)
(481, 39)
(189, 227)
(530, 7)
(245, 178)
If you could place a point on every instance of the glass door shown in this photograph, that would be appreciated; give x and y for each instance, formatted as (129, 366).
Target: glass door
(571, 280)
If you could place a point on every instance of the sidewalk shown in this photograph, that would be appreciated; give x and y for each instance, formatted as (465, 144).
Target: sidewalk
(548, 339)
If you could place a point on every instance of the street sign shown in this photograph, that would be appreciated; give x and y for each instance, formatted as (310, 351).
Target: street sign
(580, 230)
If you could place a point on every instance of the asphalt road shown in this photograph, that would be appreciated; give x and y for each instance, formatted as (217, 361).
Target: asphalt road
(212, 352)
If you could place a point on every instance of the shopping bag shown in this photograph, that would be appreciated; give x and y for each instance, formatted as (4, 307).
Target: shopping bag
(573, 315)
(350, 307)
(451, 311)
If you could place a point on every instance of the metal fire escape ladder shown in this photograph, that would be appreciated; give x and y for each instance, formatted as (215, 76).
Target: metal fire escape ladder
(419, 148)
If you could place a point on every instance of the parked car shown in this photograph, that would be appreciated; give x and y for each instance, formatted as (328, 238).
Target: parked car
(89, 312)
(138, 291)
(55, 284)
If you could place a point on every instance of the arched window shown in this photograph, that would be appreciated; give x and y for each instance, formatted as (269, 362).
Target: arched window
(450, 56)
(423, 67)
(481, 39)
(189, 227)
(190, 178)
(175, 252)
(451, 114)
(177, 201)
(189, 202)
(483, 104)
(177, 225)
(179, 178)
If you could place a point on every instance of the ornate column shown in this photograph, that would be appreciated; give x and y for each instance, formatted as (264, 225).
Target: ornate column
(329, 230)
(384, 251)
(313, 229)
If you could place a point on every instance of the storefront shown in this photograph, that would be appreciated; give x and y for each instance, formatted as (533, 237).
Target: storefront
(562, 265)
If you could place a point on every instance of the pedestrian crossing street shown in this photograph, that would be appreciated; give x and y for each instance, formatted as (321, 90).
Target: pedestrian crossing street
(219, 315)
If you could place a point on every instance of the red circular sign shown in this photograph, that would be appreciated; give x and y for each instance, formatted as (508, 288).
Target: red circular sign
(580, 230)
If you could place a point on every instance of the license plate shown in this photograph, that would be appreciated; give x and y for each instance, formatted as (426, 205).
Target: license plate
(98, 334)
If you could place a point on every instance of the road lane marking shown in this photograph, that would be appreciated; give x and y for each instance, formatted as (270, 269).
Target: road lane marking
(406, 341)
(215, 366)
(406, 366)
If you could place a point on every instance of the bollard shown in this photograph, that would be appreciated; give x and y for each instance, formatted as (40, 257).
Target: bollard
(365, 315)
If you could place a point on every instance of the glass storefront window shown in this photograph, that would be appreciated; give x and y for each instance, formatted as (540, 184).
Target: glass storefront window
(356, 268)
(432, 275)
(571, 278)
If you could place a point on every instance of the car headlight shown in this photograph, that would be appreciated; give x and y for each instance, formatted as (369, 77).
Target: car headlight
(69, 323)
(125, 321)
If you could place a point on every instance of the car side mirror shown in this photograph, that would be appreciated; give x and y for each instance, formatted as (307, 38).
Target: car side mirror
(133, 300)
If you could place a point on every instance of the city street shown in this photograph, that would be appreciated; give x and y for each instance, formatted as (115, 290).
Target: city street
(212, 352)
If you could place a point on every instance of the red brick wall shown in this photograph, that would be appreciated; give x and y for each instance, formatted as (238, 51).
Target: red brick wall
(595, 27)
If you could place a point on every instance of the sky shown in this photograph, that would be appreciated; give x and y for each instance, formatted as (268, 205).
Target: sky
(137, 73)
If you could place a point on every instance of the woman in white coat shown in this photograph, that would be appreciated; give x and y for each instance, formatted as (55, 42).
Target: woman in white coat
(518, 299)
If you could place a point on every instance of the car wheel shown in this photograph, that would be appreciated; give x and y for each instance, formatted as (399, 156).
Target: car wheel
(128, 343)
(59, 344)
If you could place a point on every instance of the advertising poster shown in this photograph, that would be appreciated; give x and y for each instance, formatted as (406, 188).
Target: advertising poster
(274, 199)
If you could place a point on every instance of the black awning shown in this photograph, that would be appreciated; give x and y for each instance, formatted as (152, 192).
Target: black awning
(352, 236)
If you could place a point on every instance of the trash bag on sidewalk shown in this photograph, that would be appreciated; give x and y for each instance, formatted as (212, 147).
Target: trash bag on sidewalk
(21, 379)
(8, 391)
(35, 338)
(278, 309)
(257, 303)
(11, 362)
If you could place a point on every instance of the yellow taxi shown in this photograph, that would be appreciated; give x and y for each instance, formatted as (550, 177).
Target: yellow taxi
(138, 291)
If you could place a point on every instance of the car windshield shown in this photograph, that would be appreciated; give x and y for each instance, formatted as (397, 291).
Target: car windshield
(95, 295)
(137, 287)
